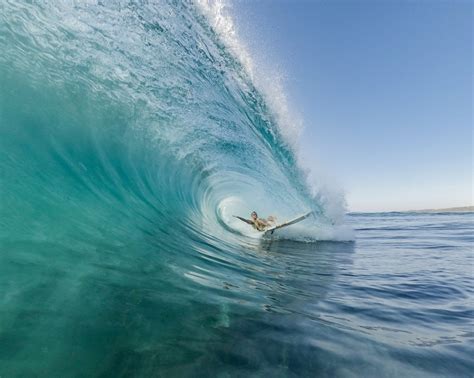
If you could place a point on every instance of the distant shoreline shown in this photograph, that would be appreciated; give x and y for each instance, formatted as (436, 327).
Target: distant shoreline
(462, 209)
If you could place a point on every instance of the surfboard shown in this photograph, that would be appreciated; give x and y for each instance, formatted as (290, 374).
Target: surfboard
(270, 230)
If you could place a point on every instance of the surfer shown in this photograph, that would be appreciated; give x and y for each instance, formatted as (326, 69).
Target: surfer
(259, 223)
(268, 225)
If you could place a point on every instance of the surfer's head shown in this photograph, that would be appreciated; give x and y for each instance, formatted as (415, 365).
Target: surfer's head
(254, 215)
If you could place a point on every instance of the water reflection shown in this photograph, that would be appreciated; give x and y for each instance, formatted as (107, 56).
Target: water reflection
(278, 338)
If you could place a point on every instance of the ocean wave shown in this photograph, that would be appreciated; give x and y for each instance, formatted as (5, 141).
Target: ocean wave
(156, 104)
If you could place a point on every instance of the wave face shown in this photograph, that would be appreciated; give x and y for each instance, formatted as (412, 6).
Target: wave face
(130, 135)
(139, 113)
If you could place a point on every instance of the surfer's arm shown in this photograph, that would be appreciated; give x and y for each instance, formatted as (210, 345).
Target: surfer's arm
(244, 220)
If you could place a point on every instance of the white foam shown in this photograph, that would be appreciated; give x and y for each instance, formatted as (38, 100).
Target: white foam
(307, 231)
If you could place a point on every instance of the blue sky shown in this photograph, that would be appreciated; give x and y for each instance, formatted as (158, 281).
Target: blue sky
(384, 89)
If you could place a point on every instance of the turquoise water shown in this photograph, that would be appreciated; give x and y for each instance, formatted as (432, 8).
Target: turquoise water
(130, 135)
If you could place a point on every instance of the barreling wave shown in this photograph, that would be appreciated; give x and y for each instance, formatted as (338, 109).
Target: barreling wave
(147, 113)
(130, 133)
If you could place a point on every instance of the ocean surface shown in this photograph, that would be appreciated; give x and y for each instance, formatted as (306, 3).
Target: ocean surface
(130, 133)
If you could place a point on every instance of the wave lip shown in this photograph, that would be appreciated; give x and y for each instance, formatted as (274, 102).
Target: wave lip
(268, 82)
